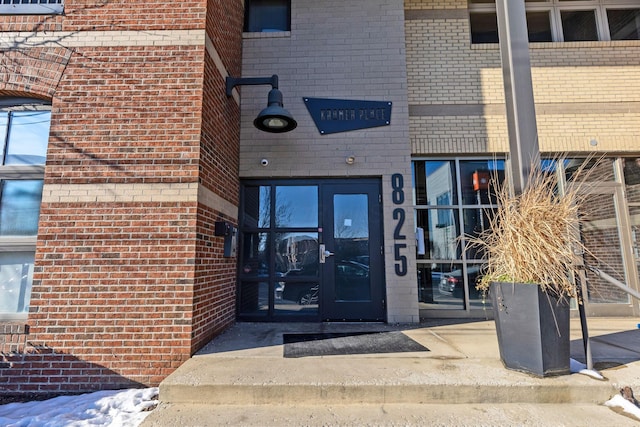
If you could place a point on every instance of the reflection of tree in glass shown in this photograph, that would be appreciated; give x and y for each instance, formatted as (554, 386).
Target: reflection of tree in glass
(284, 213)
(265, 207)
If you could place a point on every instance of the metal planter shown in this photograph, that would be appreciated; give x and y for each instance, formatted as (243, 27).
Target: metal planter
(532, 328)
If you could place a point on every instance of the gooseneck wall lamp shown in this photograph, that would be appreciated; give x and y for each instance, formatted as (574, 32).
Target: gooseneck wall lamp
(274, 118)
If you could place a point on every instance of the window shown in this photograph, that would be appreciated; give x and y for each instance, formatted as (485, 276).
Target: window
(562, 20)
(624, 24)
(31, 7)
(24, 134)
(453, 199)
(267, 15)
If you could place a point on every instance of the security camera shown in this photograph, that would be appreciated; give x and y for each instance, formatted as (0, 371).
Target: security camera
(264, 162)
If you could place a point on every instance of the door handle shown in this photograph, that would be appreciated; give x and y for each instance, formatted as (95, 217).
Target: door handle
(324, 253)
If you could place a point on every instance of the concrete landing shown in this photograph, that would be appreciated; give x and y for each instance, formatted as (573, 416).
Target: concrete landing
(245, 368)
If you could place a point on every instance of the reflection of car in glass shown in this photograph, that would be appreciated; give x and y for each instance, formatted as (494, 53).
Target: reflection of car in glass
(452, 283)
(297, 291)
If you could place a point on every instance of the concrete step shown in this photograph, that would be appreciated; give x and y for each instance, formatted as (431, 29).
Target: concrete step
(407, 415)
(243, 378)
(361, 380)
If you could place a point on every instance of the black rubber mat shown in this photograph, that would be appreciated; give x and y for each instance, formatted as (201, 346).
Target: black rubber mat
(335, 344)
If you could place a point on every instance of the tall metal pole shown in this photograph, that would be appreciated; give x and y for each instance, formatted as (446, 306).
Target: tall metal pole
(518, 90)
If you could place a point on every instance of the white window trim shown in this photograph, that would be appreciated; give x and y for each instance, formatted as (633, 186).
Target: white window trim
(556, 6)
(25, 7)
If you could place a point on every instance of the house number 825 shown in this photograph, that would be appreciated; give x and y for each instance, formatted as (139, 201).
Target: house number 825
(397, 196)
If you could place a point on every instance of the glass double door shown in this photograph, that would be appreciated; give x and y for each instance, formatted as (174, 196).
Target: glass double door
(311, 250)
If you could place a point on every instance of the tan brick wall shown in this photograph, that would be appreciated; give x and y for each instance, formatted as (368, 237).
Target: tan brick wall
(583, 91)
(352, 50)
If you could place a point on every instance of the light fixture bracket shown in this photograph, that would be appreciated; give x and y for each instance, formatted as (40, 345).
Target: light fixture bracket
(274, 118)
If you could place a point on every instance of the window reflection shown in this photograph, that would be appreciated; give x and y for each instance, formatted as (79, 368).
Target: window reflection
(599, 170)
(297, 252)
(447, 192)
(296, 289)
(254, 298)
(20, 207)
(435, 289)
(624, 24)
(24, 135)
(255, 255)
(579, 25)
(632, 179)
(28, 137)
(296, 206)
(599, 232)
(257, 206)
(351, 233)
(476, 222)
(440, 232)
(435, 183)
(4, 122)
(267, 15)
(16, 277)
(478, 181)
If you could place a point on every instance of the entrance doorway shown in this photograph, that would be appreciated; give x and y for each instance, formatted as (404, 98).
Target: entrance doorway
(311, 250)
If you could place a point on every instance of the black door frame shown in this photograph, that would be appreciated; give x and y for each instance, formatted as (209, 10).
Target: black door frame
(366, 310)
(375, 214)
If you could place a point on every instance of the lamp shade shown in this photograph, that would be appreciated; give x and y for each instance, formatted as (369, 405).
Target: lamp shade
(275, 118)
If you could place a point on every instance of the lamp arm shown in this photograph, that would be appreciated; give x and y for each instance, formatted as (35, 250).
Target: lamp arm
(232, 82)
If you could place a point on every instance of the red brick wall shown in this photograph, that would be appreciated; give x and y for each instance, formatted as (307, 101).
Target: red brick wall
(124, 292)
(215, 281)
(113, 293)
(127, 114)
(99, 15)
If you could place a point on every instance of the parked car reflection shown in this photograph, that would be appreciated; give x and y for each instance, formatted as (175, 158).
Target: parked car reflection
(452, 283)
(298, 292)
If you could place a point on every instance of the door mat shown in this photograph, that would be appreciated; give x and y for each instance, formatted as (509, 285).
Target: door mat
(336, 344)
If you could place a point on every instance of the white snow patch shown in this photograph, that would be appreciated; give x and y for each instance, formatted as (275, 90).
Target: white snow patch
(580, 368)
(627, 407)
(122, 408)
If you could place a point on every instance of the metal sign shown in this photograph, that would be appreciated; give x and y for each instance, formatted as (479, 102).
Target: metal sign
(342, 115)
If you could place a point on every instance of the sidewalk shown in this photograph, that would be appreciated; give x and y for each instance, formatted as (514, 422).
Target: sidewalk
(242, 378)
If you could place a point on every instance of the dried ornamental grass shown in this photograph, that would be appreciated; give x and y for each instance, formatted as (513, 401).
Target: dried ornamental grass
(534, 237)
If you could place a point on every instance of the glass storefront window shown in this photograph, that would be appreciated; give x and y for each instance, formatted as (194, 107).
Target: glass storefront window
(595, 170)
(476, 221)
(439, 288)
(478, 180)
(440, 233)
(454, 199)
(434, 183)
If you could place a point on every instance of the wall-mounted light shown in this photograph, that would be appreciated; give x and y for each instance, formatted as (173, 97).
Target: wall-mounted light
(274, 118)
(350, 160)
